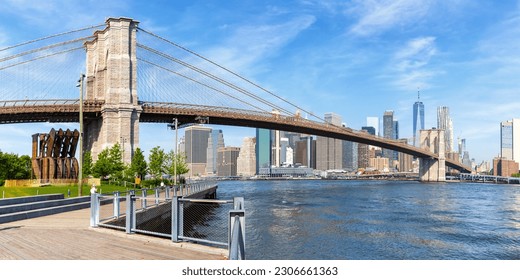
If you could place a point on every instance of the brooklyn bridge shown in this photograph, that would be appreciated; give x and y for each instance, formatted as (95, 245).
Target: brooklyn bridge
(132, 76)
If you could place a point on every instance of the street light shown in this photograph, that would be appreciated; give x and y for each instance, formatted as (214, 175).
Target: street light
(80, 163)
(174, 125)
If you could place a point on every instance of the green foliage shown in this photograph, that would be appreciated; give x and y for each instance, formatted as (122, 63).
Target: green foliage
(176, 161)
(156, 161)
(109, 163)
(138, 166)
(517, 175)
(14, 167)
(87, 164)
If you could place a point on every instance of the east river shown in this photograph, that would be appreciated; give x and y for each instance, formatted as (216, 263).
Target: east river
(369, 220)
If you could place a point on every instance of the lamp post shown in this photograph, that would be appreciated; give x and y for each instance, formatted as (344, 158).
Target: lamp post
(80, 163)
(123, 140)
(174, 125)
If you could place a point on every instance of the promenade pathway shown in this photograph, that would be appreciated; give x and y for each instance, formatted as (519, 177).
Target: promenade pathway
(68, 236)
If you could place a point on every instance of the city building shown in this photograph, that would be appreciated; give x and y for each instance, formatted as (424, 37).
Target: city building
(390, 131)
(215, 141)
(379, 163)
(305, 152)
(373, 122)
(445, 123)
(329, 151)
(350, 155)
(504, 167)
(227, 161)
(246, 161)
(510, 140)
(263, 149)
(196, 147)
(405, 160)
(418, 120)
(286, 172)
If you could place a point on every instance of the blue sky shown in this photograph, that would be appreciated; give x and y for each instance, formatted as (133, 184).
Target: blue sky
(354, 58)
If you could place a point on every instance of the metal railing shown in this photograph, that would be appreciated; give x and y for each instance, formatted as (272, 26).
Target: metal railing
(174, 213)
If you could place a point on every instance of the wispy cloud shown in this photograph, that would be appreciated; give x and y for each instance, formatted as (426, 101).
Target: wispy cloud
(376, 16)
(409, 64)
(248, 44)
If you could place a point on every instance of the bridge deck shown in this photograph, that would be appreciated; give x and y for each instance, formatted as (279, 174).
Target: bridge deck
(68, 236)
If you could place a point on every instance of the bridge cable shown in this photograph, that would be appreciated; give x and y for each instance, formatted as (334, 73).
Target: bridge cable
(233, 73)
(201, 83)
(205, 73)
(44, 48)
(52, 36)
(40, 57)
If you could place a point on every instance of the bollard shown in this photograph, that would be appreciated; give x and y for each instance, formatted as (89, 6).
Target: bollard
(116, 204)
(94, 210)
(130, 213)
(175, 219)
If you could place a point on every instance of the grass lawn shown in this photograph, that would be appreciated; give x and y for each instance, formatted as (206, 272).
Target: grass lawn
(73, 189)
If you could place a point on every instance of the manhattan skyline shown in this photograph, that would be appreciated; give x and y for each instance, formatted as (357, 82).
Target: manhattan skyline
(353, 58)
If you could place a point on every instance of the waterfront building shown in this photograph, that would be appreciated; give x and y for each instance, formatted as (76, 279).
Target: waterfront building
(227, 161)
(196, 146)
(504, 167)
(286, 172)
(263, 149)
(445, 123)
(510, 140)
(380, 164)
(305, 152)
(329, 151)
(418, 120)
(246, 161)
(405, 160)
(215, 141)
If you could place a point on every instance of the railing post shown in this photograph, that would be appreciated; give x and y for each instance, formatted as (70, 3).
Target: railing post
(156, 196)
(175, 219)
(116, 204)
(130, 212)
(181, 189)
(168, 192)
(237, 231)
(238, 203)
(143, 202)
(94, 210)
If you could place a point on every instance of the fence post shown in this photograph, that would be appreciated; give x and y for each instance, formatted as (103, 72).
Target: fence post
(156, 196)
(94, 210)
(238, 203)
(116, 204)
(175, 219)
(144, 194)
(181, 189)
(237, 236)
(130, 199)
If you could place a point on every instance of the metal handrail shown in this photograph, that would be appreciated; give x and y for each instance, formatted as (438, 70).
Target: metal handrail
(237, 249)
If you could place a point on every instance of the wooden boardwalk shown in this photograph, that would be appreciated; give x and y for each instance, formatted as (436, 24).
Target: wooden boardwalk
(68, 236)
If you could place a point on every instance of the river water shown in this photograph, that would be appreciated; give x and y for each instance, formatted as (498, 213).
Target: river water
(370, 220)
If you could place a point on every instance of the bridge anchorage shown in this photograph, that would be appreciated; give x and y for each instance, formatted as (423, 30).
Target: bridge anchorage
(130, 81)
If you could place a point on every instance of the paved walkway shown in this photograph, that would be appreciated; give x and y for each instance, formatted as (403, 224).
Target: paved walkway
(68, 236)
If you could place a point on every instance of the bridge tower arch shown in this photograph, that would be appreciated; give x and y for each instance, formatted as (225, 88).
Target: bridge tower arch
(111, 76)
(433, 169)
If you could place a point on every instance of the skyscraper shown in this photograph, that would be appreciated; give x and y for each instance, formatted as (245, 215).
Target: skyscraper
(329, 151)
(263, 149)
(227, 161)
(418, 120)
(215, 141)
(196, 147)
(445, 123)
(510, 140)
(246, 161)
(373, 122)
(390, 131)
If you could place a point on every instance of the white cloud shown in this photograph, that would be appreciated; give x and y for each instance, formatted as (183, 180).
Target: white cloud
(376, 16)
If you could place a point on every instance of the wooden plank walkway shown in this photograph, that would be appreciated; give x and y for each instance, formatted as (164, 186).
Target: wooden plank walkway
(68, 236)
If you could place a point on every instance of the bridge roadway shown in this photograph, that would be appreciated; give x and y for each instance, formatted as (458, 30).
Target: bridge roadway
(65, 110)
(68, 236)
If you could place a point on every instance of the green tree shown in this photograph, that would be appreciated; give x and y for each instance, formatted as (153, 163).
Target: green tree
(138, 166)
(14, 167)
(115, 157)
(102, 167)
(87, 164)
(156, 161)
(176, 161)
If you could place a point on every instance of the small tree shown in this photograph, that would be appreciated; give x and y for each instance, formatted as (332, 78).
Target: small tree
(176, 161)
(156, 161)
(87, 164)
(138, 166)
(115, 157)
(102, 167)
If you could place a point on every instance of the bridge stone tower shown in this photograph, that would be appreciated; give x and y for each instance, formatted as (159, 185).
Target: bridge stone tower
(432, 169)
(111, 76)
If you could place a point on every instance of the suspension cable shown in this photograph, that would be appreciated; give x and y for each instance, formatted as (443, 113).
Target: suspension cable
(226, 69)
(201, 83)
(40, 57)
(205, 73)
(44, 48)
(51, 36)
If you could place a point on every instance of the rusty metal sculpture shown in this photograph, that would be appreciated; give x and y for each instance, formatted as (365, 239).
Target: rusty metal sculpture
(53, 155)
